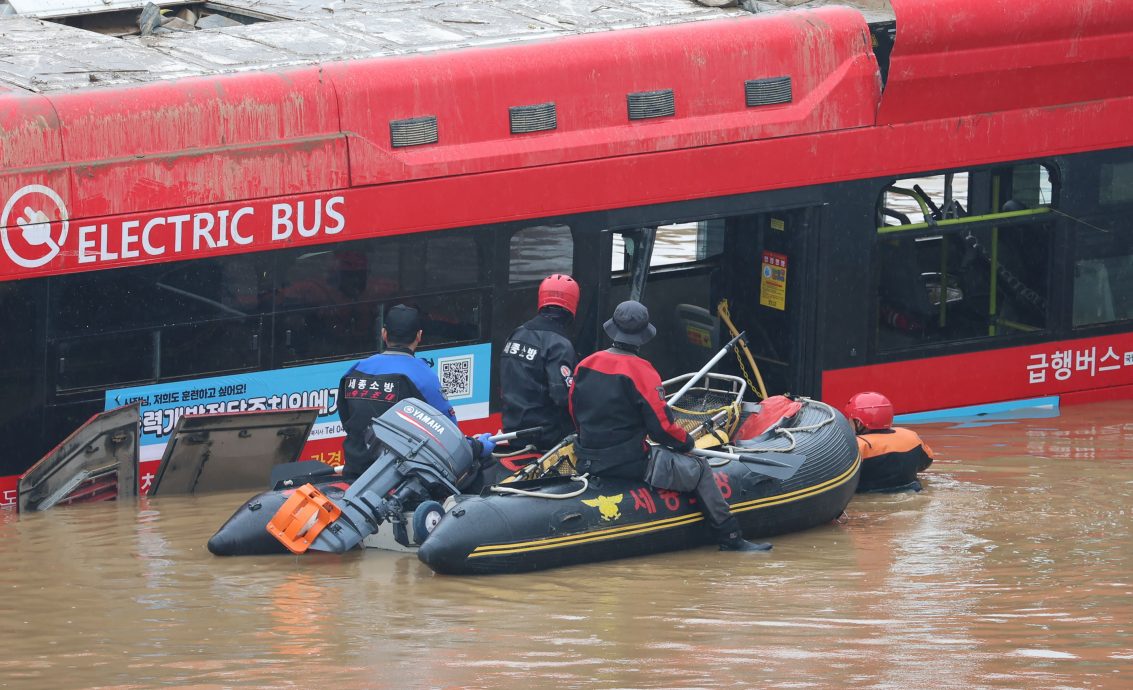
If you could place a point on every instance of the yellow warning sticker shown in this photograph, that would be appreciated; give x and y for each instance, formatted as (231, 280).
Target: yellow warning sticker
(698, 336)
(773, 281)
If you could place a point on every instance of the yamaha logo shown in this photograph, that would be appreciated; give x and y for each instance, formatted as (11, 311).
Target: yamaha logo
(410, 409)
(36, 239)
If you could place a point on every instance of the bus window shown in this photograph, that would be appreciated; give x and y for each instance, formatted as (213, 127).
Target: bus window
(1103, 270)
(21, 370)
(534, 253)
(919, 199)
(106, 360)
(1116, 184)
(449, 319)
(157, 322)
(539, 251)
(330, 299)
(157, 294)
(964, 255)
(678, 260)
(340, 275)
(1103, 252)
(964, 194)
(452, 261)
(673, 244)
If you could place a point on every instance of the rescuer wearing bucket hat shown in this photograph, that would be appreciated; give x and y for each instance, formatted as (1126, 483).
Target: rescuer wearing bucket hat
(537, 366)
(617, 400)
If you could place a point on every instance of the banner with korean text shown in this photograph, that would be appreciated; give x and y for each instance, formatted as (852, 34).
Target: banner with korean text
(464, 373)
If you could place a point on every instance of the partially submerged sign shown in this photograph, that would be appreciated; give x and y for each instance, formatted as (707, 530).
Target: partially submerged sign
(98, 462)
(222, 452)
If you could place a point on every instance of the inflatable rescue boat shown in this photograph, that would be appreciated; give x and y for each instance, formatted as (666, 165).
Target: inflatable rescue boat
(798, 472)
(782, 465)
(419, 455)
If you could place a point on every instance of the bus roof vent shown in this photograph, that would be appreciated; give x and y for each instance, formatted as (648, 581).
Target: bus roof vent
(533, 118)
(767, 91)
(646, 104)
(413, 131)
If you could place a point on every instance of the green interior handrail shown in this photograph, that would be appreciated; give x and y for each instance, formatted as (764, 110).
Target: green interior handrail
(953, 222)
(925, 210)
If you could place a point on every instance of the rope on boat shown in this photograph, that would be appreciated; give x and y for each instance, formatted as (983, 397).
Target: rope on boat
(789, 434)
(526, 450)
(501, 489)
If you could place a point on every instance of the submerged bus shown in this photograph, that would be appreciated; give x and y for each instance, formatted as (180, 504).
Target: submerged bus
(936, 204)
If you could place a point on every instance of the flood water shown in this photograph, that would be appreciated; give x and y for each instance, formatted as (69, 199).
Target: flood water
(1013, 569)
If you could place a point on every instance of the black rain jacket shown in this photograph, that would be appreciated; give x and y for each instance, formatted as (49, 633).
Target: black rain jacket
(536, 370)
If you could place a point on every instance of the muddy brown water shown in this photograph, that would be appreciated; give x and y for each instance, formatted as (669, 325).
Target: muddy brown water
(1011, 570)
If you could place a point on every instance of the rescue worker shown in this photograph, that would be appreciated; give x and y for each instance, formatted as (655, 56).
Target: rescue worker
(537, 366)
(617, 400)
(374, 384)
(891, 456)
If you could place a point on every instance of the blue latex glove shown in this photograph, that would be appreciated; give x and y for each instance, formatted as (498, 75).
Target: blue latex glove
(487, 445)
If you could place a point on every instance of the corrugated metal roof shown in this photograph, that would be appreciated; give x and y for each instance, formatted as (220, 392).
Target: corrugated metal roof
(43, 56)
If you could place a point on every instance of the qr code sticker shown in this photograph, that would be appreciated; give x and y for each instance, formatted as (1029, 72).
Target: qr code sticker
(456, 376)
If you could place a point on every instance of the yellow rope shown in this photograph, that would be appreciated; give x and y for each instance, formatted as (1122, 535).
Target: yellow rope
(726, 317)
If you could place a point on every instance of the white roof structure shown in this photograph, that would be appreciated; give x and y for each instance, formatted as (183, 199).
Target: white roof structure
(60, 45)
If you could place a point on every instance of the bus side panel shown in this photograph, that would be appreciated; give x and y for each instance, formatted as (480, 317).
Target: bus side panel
(199, 141)
(30, 144)
(995, 55)
(29, 132)
(834, 85)
(1014, 373)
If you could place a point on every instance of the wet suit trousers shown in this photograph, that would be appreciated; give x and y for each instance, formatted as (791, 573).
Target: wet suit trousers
(668, 469)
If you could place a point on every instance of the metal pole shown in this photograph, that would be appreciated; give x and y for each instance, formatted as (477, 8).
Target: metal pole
(704, 370)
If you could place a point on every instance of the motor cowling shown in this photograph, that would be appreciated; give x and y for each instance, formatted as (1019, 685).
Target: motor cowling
(421, 442)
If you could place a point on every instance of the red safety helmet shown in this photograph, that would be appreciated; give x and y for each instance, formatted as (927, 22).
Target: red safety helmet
(560, 290)
(870, 410)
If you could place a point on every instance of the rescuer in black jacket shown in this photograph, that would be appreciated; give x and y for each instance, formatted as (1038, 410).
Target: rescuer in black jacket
(617, 400)
(537, 366)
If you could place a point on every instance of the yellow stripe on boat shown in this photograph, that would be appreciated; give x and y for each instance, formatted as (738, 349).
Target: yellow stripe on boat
(655, 525)
(801, 493)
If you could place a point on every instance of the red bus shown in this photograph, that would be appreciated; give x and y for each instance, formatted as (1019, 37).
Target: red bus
(938, 206)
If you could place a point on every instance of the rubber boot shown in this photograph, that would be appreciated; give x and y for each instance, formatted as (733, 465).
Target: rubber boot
(732, 538)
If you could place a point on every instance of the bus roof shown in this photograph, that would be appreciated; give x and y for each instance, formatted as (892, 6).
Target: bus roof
(68, 45)
(789, 99)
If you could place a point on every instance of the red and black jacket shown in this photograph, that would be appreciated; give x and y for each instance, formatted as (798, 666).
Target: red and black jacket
(616, 401)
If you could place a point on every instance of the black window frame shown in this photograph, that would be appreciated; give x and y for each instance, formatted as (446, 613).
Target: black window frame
(982, 216)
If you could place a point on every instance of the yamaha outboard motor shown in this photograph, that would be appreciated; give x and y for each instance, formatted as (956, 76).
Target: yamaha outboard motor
(420, 452)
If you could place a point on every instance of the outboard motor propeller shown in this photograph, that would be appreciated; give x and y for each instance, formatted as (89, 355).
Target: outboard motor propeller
(420, 452)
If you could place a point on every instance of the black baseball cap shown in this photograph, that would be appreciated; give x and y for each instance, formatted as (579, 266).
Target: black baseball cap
(402, 323)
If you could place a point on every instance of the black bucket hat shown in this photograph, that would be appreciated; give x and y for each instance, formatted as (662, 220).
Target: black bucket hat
(630, 324)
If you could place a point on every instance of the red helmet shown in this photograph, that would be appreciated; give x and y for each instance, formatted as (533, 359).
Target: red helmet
(560, 290)
(871, 410)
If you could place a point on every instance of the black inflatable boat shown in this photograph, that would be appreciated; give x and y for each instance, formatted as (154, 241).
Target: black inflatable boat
(420, 455)
(246, 534)
(799, 474)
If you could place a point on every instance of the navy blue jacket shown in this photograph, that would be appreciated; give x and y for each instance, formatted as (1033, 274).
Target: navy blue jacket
(371, 387)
